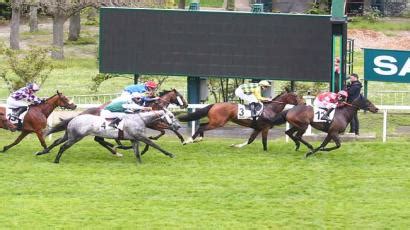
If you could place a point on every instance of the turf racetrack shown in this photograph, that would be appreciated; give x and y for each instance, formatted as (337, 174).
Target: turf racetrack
(208, 185)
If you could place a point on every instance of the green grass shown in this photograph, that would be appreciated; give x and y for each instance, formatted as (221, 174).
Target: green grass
(208, 185)
(382, 25)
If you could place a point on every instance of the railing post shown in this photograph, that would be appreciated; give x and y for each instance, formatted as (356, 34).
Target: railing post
(286, 136)
(384, 125)
(193, 125)
(309, 101)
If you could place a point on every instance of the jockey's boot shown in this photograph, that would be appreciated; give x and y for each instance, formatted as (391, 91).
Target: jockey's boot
(18, 112)
(114, 123)
(325, 117)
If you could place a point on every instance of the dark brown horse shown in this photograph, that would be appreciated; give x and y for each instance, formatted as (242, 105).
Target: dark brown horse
(301, 116)
(166, 98)
(36, 118)
(220, 113)
(4, 122)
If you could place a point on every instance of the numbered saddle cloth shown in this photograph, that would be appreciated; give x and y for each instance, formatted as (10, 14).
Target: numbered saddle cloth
(244, 111)
(10, 112)
(319, 112)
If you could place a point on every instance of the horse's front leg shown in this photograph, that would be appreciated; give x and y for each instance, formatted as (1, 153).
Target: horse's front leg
(23, 134)
(336, 139)
(321, 147)
(253, 136)
(162, 132)
(181, 138)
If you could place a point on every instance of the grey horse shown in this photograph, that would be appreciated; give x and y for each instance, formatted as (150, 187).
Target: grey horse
(134, 126)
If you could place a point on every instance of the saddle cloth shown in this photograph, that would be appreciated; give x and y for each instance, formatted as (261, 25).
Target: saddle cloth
(245, 113)
(319, 112)
(9, 116)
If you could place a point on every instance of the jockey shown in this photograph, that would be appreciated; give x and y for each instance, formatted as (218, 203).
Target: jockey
(329, 101)
(148, 87)
(118, 107)
(23, 97)
(251, 93)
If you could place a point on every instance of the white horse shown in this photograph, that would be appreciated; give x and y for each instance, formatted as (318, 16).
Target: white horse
(134, 126)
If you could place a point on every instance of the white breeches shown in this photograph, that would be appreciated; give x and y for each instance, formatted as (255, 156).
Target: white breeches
(13, 103)
(247, 98)
(108, 114)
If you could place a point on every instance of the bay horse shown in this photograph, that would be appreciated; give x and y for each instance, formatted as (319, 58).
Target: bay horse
(36, 118)
(4, 122)
(165, 99)
(301, 116)
(220, 113)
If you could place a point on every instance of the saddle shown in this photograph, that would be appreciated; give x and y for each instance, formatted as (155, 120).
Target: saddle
(245, 112)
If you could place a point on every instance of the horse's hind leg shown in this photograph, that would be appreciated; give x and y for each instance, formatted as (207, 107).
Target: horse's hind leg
(54, 144)
(23, 134)
(147, 141)
(120, 145)
(64, 147)
(106, 145)
(200, 131)
(135, 146)
(299, 136)
(290, 133)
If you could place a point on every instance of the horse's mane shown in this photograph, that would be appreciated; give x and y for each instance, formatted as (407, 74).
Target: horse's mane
(165, 92)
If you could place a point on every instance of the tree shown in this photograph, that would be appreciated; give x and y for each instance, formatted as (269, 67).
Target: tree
(74, 27)
(33, 20)
(15, 24)
(60, 11)
(31, 66)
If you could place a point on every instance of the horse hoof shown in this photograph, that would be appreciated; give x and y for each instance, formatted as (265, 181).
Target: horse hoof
(56, 162)
(172, 156)
(118, 155)
(39, 153)
(308, 154)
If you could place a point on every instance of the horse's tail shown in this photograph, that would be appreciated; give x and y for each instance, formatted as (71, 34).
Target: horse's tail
(199, 113)
(280, 118)
(59, 127)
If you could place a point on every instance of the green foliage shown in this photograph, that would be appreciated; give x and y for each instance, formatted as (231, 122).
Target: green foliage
(33, 65)
(319, 7)
(302, 88)
(208, 185)
(99, 78)
(372, 14)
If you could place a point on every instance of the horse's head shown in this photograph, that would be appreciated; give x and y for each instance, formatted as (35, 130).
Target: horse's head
(174, 97)
(6, 124)
(64, 102)
(171, 120)
(290, 98)
(363, 103)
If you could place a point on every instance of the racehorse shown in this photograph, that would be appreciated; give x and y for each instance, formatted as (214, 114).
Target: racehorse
(134, 128)
(301, 116)
(220, 113)
(4, 122)
(166, 98)
(36, 118)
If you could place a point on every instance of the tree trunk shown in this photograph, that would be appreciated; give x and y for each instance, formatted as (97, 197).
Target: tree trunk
(33, 21)
(15, 28)
(367, 4)
(181, 4)
(75, 27)
(58, 37)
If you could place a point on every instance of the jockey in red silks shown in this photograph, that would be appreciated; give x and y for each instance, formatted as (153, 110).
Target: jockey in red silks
(329, 101)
